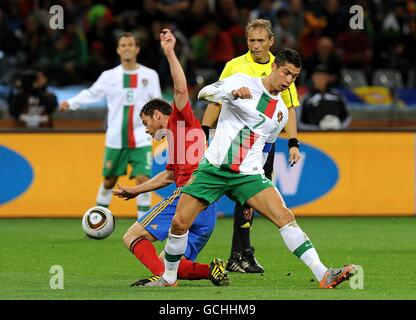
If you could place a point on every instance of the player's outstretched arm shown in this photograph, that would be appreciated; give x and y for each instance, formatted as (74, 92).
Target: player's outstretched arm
(222, 91)
(126, 192)
(180, 94)
(93, 94)
(159, 181)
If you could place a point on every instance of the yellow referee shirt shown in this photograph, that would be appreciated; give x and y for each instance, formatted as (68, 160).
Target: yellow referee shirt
(245, 64)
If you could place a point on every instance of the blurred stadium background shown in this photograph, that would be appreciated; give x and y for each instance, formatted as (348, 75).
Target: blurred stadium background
(374, 68)
(367, 169)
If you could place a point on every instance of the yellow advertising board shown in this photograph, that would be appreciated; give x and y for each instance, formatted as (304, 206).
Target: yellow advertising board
(341, 173)
(66, 175)
(376, 174)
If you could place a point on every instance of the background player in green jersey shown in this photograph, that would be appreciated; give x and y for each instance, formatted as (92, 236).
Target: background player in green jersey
(126, 89)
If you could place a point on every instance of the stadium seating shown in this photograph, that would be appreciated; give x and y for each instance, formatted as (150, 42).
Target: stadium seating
(205, 75)
(352, 78)
(387, 78)
(411, 79)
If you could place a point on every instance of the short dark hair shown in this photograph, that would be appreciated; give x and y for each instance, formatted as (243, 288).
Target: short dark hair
(156, 104)
(128, 35)
(288, 56)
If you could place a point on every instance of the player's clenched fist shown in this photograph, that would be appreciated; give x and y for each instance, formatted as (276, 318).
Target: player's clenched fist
(167, 40)
(242, 93)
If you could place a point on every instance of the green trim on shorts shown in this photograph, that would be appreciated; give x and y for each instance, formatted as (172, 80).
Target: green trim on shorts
(210, 183)
(117, 160)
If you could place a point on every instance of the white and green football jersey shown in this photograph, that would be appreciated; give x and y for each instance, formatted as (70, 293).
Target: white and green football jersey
(246, 128)
(126, 92)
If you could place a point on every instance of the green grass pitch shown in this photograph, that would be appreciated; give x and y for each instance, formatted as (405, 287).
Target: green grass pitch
(384, 247)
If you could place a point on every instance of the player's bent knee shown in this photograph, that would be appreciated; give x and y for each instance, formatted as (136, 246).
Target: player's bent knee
(281, 216)
(291, 217)
(179, 225)
(110, 182)
(128, 239)
(287, 217)
(134, 233)
(162, 255)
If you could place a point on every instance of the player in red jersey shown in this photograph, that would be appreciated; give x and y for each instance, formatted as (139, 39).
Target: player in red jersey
(186, 146)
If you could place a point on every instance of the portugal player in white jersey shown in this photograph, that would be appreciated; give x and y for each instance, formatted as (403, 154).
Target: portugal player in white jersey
(126, 89)
(251, 117)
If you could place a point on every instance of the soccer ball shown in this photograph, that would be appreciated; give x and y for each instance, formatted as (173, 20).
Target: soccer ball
(98, 222)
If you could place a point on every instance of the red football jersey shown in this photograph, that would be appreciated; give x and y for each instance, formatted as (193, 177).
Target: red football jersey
(186, 143)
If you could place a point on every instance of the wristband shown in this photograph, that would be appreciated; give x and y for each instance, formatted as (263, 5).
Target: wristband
(206, 131)
(293, 142)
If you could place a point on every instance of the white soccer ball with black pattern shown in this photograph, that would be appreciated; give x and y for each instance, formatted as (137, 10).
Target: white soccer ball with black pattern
(98, 223)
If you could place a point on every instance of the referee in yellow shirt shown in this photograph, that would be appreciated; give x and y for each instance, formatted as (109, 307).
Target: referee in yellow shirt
(257, 62)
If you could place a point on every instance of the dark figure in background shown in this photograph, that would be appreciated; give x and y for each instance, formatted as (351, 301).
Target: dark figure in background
(323, 108)
(31, 104)
(325, 55)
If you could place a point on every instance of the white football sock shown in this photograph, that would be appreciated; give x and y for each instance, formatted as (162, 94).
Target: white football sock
(143, 201)
(300, 245)
(104, 196)
(174, 249)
